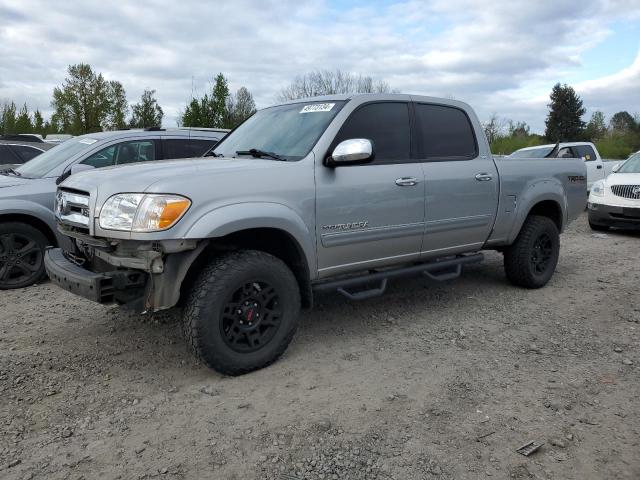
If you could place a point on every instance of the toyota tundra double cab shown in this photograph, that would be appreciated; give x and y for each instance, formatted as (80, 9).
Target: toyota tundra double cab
(338, 193)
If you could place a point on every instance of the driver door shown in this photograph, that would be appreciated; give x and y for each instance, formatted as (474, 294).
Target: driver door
(373, 214)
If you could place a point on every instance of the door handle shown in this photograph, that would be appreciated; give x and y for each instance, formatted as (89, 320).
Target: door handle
(484, 177)
(406, 181)
(599, 167)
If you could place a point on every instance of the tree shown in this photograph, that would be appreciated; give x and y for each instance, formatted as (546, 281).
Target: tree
(147, 113)
(239, 108)
(518, 129)
(622, 122)
(23, 121)
(596, 128)
(492, 128)
(118, 107)
(325, 82)
(38, 123)
(82, 103)
(564, 121)
(9, 118)
(210, 111)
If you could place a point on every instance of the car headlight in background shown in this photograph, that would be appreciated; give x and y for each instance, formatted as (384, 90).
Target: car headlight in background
(142, 212)
(597, 189)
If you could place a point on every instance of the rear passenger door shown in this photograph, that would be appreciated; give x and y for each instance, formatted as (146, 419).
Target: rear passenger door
(186, 147)
(595, 167)
(373, 214)
(462, 186)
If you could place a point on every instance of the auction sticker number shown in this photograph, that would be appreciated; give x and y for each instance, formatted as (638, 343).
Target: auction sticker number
(317, 107)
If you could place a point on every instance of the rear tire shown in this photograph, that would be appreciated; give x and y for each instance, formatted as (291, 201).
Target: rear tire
(21, 255)
(242, 312)
(531, 260)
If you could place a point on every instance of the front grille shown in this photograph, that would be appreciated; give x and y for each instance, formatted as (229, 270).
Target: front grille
(72, 208)
(626, 191)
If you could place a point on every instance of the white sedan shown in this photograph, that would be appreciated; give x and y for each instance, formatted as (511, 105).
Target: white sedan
(615, 201)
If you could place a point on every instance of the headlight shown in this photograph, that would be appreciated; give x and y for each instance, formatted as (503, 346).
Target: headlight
(141, 212)
(597, 189)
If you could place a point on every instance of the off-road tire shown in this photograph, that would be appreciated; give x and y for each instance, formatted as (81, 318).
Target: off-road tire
(13, 255)
(520, 258)
(598, 228)
(204, 314)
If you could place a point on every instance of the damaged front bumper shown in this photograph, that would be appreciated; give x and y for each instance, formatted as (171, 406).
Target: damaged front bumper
(144, 276)
(117, 286)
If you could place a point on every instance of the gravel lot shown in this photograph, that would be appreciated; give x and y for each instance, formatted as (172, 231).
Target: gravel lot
(433, 380)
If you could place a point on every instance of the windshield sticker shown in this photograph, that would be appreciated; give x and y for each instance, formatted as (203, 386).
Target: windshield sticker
(317, 107)
(88, 141)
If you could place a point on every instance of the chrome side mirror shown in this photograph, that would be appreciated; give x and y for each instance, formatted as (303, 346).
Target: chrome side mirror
(356, 151)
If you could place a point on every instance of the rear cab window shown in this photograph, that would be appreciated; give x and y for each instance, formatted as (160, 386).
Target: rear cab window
(585, 152)
(7, 157)
(25, 152)
(444, 133)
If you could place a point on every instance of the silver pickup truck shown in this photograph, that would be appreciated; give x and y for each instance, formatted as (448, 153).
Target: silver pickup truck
(337, 193)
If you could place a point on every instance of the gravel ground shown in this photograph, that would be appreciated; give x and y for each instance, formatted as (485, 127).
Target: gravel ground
(433, 380)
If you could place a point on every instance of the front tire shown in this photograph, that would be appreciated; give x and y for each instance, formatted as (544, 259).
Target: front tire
(242, 312)
(531, 260)
(21, 255)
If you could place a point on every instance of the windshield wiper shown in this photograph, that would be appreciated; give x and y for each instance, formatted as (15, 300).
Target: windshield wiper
(6, 171)
(254, 152)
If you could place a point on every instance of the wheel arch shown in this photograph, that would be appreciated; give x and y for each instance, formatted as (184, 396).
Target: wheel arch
(33, 221)
(274, 241)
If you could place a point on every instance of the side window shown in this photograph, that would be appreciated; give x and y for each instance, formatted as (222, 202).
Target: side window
(386, 125)
(444, 133)
(186, 148)
(123, 153)
(25, 153)
(586, 152)
(7, 157)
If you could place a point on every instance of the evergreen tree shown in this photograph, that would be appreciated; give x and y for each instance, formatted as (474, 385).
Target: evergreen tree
(210, 111)
(23, 121)
(38, 123)
(9, 118)
(146, 113)
(564, 121)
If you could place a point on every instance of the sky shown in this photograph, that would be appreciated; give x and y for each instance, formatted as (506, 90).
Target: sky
(501, 56)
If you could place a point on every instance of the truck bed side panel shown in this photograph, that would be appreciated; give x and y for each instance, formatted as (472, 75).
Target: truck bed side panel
(526, 182)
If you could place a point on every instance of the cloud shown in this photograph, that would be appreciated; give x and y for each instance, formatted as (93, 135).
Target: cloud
(500, 56)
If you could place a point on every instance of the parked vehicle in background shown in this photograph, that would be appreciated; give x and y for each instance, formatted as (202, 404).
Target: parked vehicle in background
(58, 137)
(23, 137)
(27, 192)
(14, 153)
(615, 201)
(597, 168)
(338, 193)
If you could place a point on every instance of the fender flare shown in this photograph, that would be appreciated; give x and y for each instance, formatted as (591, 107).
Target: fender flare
(233, 218)
(548, 189)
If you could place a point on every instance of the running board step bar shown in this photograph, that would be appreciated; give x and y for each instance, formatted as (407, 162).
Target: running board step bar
(440, 270)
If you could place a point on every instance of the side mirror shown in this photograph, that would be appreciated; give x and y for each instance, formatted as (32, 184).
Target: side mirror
(616, 167)
(80, 167)
(356, 151)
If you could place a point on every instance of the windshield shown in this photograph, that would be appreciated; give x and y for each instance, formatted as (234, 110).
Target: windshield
(41, 165)
(632, 165)
(541, 152)
(288, 131)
